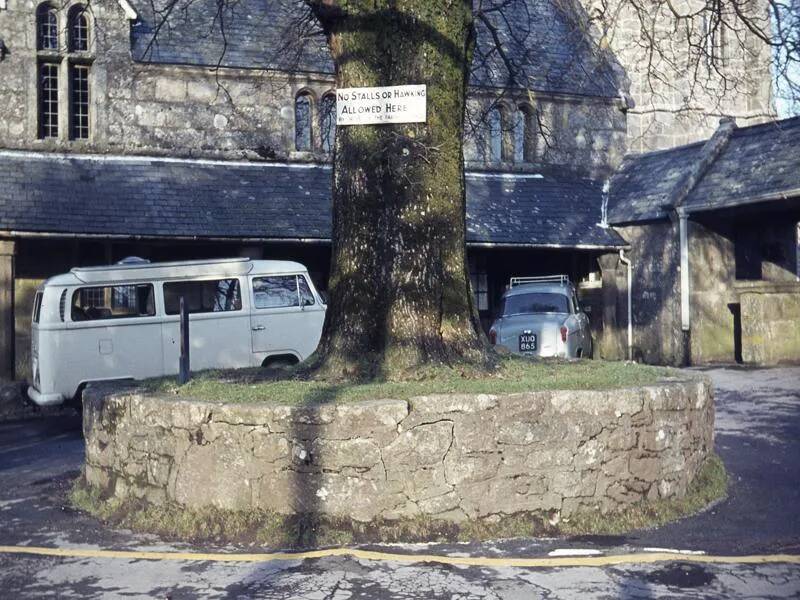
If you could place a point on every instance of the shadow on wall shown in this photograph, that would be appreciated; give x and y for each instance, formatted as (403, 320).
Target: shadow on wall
(655, 296)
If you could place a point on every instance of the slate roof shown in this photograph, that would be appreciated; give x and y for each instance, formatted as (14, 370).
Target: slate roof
(547, 42)
(545, 211)
(248, 34)
(641, 188)
(551, 51)
(156, 197)
(757, 163)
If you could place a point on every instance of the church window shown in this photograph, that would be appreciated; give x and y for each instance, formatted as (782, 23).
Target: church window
(78, 30)
(506, 134)
(519, 137)
(48, 100)
(70, 64)
(302, 122)
(79, 102)
(713, 42)
(528, 140)
(327, 122)
(46, 28)
(495, 137)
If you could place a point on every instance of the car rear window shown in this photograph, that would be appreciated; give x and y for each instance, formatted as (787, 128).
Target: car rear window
(535, 302)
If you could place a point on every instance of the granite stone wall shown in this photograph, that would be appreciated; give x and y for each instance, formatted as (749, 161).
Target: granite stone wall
(452, 457)
(770, 322)
(189, 111)
(655, 259)
(731, 320)
(138, 108)
(584, 135)
(678, 92)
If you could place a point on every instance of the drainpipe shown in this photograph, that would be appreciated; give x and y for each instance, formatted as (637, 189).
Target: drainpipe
(683, 233)
(627, 263)
(686, 324)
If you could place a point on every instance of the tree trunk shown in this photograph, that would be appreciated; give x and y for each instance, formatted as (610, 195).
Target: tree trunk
(399, 289)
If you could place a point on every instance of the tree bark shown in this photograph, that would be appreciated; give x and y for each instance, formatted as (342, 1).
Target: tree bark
(399, 289)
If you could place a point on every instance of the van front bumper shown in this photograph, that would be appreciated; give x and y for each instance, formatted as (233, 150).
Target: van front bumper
(44, 399)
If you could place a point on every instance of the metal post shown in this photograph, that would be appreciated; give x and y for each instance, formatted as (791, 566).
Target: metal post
(183, 369)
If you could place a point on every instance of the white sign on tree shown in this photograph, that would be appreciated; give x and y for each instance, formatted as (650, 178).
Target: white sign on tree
(378, 105)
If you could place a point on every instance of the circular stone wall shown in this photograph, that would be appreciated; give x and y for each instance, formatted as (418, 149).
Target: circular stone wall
(451, 457)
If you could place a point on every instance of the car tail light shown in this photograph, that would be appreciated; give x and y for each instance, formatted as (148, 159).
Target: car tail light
(564, 334)
(492, 337)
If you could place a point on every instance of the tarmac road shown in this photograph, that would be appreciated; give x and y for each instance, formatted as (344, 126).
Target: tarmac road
(758, 437)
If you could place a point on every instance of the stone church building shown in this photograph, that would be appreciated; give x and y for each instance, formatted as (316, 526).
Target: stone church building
(188, 130)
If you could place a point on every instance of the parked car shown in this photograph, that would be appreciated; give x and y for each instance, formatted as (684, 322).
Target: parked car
(122, 321)
(540, 316)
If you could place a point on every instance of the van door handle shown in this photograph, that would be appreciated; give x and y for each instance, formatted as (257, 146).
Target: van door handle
(258, 328)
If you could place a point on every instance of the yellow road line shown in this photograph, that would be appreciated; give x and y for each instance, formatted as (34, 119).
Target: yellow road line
(469, 561)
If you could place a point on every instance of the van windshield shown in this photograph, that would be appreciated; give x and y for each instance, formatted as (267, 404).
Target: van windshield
(535, 302)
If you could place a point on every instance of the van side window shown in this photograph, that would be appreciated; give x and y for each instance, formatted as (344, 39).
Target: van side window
(62, 305)
(37, 307)
(217, 295)
(306, 297)
(277, 291)
(113, 302)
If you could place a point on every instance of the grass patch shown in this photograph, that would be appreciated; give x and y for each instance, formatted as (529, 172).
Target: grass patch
(512, 374)
(268, 529)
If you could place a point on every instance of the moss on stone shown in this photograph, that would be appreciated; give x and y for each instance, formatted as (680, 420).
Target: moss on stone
(709, 486)
(268, 529)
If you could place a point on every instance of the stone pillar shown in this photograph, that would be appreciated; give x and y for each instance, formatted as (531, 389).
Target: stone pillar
(7, 324)
(610, 346)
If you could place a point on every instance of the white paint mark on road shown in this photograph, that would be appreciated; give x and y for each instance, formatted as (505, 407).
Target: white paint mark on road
(574, 552)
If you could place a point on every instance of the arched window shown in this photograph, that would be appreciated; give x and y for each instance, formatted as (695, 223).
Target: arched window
(78, 29)
(527, 132)
(507, 134)
(302, 122)
(327, 122)
(494, 121)
(46, 28)
(72, 63)
(519, 135)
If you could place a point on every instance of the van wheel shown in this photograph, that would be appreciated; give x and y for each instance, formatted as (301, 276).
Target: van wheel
(280, 362)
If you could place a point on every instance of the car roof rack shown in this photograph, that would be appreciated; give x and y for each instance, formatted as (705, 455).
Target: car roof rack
(561, 279)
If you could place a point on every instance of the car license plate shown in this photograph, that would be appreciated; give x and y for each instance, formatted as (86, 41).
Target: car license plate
(527, 342)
